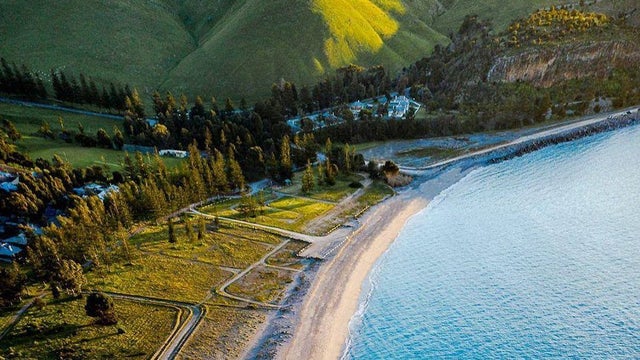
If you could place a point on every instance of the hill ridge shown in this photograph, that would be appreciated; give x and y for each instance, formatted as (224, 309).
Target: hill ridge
(224, 48)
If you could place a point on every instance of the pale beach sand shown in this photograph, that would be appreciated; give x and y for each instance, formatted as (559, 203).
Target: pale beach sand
(334, 296)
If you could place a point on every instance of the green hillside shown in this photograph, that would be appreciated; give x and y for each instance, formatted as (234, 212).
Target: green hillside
(230, 47)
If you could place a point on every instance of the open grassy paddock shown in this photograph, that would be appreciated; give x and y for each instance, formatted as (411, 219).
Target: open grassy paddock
(250, 234)
(160, 276)
(223, 333)
(333, 193)
(288, 255)
(373, 194)
(29, 119)
(291, 213)
(262, 284)
(216, 248)
(61, 329)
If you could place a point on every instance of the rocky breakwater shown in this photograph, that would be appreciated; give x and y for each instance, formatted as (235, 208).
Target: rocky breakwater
(530, 143)
(609, 124)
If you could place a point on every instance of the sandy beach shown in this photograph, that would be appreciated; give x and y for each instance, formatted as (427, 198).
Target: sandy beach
(322, 325)
(334, 296)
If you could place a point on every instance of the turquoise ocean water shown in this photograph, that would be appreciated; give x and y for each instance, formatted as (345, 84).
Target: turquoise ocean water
(535, 257)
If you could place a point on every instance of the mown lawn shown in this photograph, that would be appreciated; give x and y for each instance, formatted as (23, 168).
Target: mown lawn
(333, 193)
(7, 314)
(61, 329)
(290, 213)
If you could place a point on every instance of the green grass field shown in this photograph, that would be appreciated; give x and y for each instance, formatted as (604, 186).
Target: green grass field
(28, 121)
(216, 248)
(262, 284)
(175, 45)
(333, 193)
(500, 12)
(160, 276)
(374, 194)
(62, 330)
(223, 334)
(291, 213)
(249, 234)
(288, 255)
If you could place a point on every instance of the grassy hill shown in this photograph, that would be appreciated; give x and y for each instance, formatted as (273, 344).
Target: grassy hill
(231, 47)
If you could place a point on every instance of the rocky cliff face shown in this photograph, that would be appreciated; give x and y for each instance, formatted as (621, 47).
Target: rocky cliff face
(547, 66)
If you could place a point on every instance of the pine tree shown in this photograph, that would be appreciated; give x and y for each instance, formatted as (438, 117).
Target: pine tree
(202, 228)
(103, 139)
(171, 232)
(219, 173)
(349, 153)
(118, 138)
(12, 282)
(286, 170)
(11, 130)
(307, 179)
(235, 172)
(330, 172)
(228, 106)
(70, 277)
(101, 306)
(188, 229)
(328, 147)
(85, 92)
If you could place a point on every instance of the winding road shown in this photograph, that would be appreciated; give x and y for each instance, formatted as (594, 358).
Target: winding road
(223, 287)
(183, 329)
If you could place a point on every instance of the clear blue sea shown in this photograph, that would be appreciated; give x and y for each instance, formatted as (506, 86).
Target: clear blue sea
(535, 257)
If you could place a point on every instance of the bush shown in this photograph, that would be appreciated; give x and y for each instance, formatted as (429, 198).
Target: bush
(355, 185)
(398, 180)
(101, 306)
(39, 303)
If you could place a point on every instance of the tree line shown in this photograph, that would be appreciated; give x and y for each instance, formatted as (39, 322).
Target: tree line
(22, 82)
(85, 91)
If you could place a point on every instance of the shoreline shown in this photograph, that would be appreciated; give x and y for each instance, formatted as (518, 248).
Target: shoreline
(321, 326)
(323, 322)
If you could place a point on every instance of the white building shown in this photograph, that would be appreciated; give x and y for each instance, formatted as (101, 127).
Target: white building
(175, 153)
(398, 107)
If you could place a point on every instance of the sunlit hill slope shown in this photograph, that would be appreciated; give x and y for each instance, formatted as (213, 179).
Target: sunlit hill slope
(233, 48)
